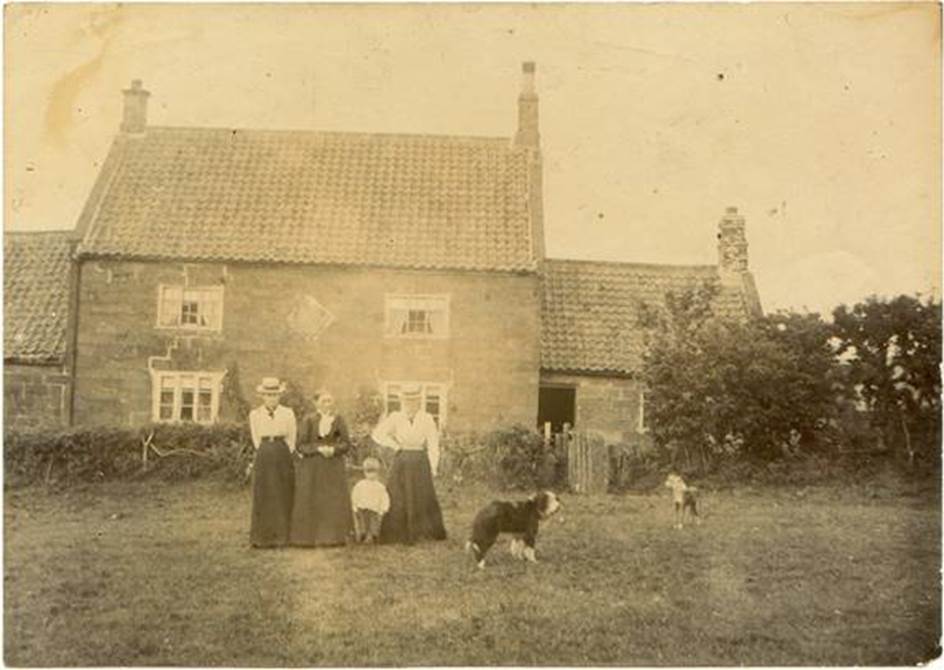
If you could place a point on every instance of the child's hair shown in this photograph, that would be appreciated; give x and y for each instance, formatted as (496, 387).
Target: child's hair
(370, 464)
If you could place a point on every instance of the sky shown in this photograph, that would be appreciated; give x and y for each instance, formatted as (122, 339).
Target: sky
(820, 122)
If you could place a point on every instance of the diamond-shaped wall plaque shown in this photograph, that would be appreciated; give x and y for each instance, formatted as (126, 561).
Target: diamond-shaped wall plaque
(308, 318)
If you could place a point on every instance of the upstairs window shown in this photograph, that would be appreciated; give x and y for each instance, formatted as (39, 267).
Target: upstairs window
(417, 316)
(432, 400)
(186, 396)
(193, 308)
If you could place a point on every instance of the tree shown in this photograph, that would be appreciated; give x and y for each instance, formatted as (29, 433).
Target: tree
(814, 384)
(893, 352)
(716, 386)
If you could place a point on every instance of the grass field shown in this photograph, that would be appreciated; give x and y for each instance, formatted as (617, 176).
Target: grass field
(144, 574)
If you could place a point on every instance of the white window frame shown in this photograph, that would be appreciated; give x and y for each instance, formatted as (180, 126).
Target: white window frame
(390, 388)
(641, 426)
(216, 291)
(405, 299)
(176, 377)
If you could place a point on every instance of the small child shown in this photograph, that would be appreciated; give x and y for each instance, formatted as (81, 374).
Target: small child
(370, 501)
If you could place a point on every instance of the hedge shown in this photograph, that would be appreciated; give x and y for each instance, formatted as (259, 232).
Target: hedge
(93, 454)
(512, 458)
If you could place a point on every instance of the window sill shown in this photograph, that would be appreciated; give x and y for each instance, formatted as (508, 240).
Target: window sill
(208, 422)
(416, 337)
(197, 330)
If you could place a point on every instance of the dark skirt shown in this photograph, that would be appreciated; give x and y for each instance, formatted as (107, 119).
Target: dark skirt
(273, 486)
(322, 514)
(414, 510)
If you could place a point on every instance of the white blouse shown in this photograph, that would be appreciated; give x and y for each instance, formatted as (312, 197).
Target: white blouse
(278, 423)
(370, 494)
(325, 423)
(397, 431)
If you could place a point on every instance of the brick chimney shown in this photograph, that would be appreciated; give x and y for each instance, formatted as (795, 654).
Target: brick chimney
(732, 247)
(134, 119)
(527, 134)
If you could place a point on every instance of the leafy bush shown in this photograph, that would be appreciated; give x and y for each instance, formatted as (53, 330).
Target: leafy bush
(298, 399)
(460, 458)
(507, 458)
(760, 388)
(633, 468)
(368, 408)
(233, 405)
(168, 452)
(521, 457)
(892, 349)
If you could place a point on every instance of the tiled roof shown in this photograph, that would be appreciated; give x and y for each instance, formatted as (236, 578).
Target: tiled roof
(313, 197)
(35, 296)
(590, 310)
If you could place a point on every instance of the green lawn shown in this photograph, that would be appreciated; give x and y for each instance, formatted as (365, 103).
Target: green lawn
(145, 574)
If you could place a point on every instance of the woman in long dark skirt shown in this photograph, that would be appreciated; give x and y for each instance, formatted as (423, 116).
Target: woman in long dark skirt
(414, 509)
(273, 431)
(322, 514)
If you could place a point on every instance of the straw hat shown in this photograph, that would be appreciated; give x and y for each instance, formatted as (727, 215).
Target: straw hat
(411, 391)
(270, 386)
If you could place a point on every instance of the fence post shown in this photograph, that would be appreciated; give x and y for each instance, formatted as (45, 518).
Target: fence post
(546, 468)
(587, 464)
(569, 449)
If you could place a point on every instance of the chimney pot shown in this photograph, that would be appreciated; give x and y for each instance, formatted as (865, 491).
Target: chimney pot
(732, 247)
(527, 80)
(134, 118)
(528, 133)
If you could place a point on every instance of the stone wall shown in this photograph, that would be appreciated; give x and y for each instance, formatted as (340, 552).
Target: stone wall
(608, 406)
(35, 396)
(489, 362)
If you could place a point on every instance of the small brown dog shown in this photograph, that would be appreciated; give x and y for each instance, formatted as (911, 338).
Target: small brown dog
(684, 497)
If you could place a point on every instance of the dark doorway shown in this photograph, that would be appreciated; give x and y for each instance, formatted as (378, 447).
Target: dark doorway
(556, 404)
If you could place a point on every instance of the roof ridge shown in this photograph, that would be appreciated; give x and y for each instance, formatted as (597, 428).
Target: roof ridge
(337, 133)
(633, 264)
(423, 266)
(57, 231)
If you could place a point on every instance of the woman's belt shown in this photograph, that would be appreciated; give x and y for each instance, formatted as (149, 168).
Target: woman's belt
(272, 438)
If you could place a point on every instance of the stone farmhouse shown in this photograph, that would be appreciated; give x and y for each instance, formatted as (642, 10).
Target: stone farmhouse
(207, 257)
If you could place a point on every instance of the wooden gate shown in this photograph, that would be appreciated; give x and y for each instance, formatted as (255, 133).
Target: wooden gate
(588, 463)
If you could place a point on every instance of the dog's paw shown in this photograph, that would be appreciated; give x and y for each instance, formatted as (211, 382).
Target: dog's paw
(516, 547)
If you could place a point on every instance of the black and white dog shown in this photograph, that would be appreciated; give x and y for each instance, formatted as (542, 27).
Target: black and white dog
(521, 519)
